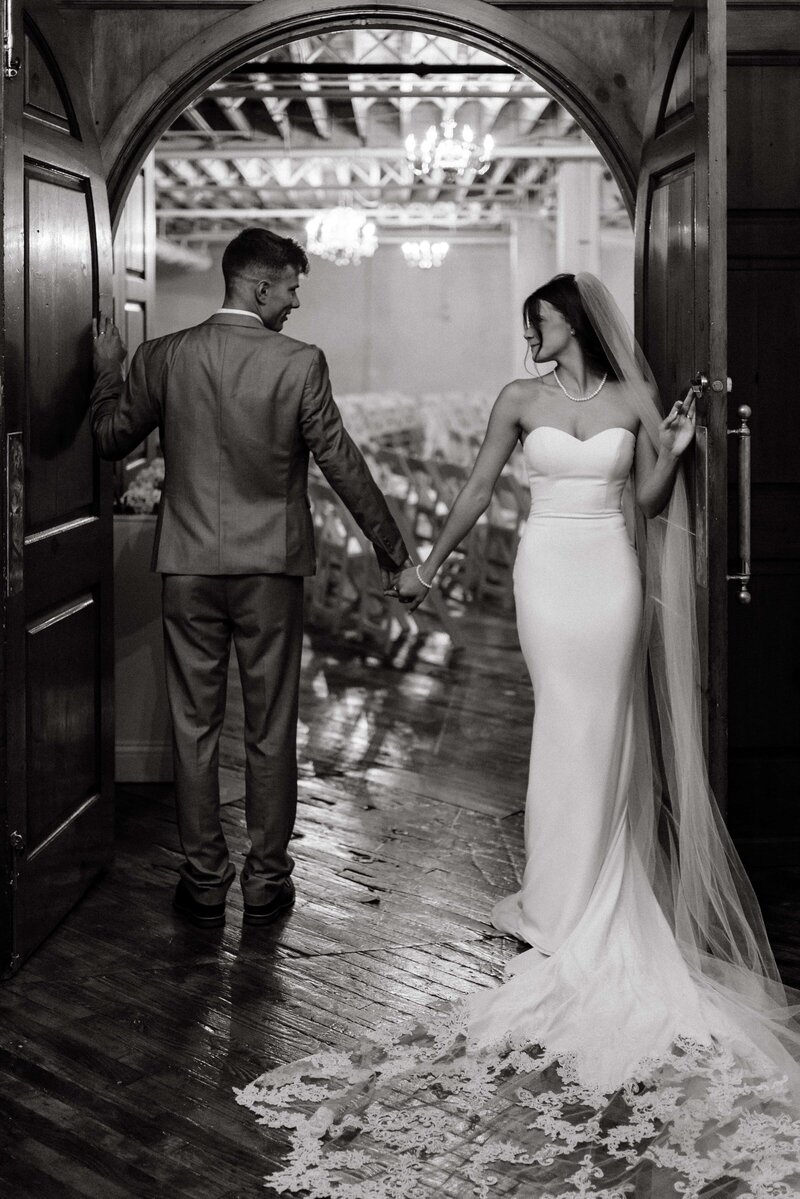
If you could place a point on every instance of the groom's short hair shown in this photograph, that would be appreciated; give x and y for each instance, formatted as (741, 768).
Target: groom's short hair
(257, 251)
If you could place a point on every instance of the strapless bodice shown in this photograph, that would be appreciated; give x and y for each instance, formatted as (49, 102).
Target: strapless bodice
(570, 477)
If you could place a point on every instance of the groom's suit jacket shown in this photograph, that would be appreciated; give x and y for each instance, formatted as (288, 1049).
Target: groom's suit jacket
(239, 408)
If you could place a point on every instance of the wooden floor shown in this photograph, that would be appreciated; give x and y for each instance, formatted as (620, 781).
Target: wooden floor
(123, 1037)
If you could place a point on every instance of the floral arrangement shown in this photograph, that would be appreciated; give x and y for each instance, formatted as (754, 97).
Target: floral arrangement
(143, 495)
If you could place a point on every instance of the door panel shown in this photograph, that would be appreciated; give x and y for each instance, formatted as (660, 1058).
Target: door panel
(670, 326)
(134, 291)
(679, 91)
(681, 317)
(58, 269)
(764, 648)
(62, 738)
(45, 97)
(57, 820)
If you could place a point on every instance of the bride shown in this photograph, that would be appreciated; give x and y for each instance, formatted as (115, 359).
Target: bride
(643, 1044)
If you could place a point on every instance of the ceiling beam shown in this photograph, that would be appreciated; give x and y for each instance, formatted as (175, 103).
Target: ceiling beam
(268, 194)
(232, 108)
(360, 117)
(437, 215)
(361, 105)
(186, 170)
(198, 120)
(254, 90)
(277, 112)
(525, 180)
(497, 174)
(272, 68)
(406, 101)
(317, 106)
(260, 149)
(457, 237)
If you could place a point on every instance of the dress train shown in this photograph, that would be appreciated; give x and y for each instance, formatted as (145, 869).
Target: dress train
(608, 1063)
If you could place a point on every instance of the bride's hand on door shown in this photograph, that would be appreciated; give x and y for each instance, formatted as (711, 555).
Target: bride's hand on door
(676, 431)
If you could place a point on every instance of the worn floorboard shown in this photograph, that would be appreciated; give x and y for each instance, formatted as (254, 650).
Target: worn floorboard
(122, 1038)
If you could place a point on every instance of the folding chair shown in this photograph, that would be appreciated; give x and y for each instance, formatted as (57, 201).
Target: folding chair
(500, 536)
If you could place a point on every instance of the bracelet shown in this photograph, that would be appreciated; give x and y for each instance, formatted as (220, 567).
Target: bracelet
(422, 581)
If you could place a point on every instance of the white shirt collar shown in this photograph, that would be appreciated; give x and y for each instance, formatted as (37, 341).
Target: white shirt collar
(240, 312)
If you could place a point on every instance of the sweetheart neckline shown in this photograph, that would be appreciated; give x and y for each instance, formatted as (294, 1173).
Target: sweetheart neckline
(580, 440)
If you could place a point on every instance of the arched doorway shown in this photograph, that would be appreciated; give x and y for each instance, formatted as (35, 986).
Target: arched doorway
(417, 357)
(604, 113)
(661, 132)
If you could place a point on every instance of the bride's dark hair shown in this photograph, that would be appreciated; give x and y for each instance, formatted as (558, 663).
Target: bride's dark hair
(562, 292)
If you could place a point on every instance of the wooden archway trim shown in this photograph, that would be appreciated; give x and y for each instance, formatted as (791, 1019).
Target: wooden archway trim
(212, 53)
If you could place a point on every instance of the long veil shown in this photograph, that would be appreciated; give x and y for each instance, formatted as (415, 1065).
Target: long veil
(678, 831)
(576, 1079)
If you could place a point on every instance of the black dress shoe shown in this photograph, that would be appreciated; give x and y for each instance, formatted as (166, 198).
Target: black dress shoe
(265, 913)
(203, 915)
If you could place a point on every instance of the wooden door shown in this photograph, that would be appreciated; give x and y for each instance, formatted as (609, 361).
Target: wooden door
(764, 323)
(134, 291)
(681, 302)
(58, 748)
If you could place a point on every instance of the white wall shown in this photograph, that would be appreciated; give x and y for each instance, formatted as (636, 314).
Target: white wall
(535, 259)
(384, 325)
(617, 268)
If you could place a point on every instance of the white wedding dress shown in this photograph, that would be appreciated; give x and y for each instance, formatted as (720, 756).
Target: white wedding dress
(605, 1065)
(578, 596)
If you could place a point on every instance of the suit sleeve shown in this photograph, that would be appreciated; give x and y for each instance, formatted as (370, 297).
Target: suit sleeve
(343, 465)
(124, 411)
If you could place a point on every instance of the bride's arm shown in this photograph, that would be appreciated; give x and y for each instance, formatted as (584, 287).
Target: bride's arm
(655, 473)
(472, 501)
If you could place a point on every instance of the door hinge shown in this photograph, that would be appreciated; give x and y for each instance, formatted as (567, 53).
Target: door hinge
(13, 966)
(11, 64)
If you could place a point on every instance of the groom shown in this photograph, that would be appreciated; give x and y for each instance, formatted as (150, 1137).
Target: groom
(239, 406)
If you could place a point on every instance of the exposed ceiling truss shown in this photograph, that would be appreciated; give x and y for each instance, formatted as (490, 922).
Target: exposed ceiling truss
(324, 121)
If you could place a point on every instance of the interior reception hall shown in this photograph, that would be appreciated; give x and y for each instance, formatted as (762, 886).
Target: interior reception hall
(437, 164)
(418, 274)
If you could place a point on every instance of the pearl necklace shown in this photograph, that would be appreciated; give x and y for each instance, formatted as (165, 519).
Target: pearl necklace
(580, 399)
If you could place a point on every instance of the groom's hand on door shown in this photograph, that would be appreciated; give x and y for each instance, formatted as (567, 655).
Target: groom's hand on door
(109, 349)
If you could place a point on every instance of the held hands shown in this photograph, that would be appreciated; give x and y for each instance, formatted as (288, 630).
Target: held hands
(109, 350)
(676, 431)
(406, 586)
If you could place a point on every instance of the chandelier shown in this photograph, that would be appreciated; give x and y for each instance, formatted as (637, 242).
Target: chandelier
(443, 150)
(425, 254)
(342, 235)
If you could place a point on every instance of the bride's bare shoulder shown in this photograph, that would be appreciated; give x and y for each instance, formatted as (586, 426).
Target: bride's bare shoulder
(512, 404)
(521, 393)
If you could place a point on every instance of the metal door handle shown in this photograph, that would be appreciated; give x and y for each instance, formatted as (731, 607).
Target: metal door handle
(745, 479)
(15, 487)
(698, 385)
